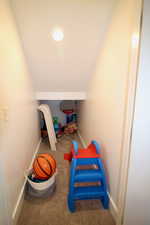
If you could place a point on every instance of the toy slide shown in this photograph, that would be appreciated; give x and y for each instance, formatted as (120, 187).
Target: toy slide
(49, 124)
(87, 175)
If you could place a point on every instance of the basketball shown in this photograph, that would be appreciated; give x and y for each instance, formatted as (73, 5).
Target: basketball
(44, 166)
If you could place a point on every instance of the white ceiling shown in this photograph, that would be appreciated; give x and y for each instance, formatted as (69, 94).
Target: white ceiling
(67, 65)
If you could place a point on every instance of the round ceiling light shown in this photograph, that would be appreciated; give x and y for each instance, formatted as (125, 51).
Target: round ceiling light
(57, 34)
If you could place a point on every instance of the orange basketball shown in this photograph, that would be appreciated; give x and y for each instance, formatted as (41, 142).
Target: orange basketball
(44, 166)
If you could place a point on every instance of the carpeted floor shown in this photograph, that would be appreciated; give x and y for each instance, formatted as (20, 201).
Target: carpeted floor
(53, 210)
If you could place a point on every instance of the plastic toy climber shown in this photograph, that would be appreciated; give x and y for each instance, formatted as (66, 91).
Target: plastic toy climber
(86, 168)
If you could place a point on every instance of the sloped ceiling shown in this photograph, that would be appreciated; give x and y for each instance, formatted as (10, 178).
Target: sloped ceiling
(67, 65)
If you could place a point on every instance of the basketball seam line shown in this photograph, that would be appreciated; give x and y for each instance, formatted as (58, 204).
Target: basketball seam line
(42, 168)
(41, 156)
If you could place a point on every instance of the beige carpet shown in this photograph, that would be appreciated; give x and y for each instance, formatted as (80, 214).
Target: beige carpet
(53, 210)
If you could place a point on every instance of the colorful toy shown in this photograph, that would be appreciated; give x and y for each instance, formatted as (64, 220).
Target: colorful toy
(81, 159)
(56, 124)
(70, 128)
(44, 166)
(69, 108)
(57, 127)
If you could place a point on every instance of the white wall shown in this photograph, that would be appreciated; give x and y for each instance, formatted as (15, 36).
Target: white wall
(67, 65)
(18, 115)
(137, 211)
(102, 115)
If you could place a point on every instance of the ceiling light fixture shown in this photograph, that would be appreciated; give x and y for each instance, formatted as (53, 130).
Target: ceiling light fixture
(57, 34)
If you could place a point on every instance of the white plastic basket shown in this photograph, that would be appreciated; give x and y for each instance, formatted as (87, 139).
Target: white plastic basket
(41, 185)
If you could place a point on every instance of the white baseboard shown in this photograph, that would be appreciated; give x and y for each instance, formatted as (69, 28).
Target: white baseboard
(112, 205)
(19, 203)
(82, 140)
(113, 208)
(35, 153)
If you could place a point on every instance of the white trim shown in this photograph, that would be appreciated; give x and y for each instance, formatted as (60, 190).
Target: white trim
(60, 95)
(19, 203)
(113, 208)
(112, 205)
(82, 140)
(129, 112)
(35, 153)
